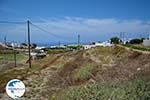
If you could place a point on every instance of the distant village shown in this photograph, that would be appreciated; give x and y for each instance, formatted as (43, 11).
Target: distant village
(41, 51)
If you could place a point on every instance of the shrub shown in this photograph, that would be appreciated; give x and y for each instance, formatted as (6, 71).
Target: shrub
(115, 40)
(136, 41)
(131, 90)
(137, 47)
(56, 51)
(85, 71)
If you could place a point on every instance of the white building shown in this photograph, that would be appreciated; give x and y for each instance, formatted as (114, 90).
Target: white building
(15, 45)
(88, 46)
(103, 44)
(146, 42)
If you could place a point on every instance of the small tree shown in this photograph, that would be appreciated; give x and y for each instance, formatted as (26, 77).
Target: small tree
(24, 44)
(33, 45)
(136, 41)
(115, 40)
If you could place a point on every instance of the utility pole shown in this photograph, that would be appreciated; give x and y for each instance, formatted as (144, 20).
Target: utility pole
(59, 44)
(15, 56)
(149, 36)
(28, 23)
(5, 39)
(78, 41)
(25, 40)
(123, 37)
(120, 35)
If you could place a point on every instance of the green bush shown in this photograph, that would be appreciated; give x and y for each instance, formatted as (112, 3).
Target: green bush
(56, 51)
(137, 47)
(85, 71)
(115, 40)
(131, 90)
(74, 47)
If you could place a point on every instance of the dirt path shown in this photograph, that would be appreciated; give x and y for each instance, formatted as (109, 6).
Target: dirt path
(127, 48)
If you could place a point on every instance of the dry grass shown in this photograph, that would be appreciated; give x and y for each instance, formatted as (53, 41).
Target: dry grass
(76, 69)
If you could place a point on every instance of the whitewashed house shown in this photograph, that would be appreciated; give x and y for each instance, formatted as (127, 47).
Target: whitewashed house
(146, 42)
(103, 44)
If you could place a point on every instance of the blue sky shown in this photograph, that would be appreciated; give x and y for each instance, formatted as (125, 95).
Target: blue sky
(94, 20)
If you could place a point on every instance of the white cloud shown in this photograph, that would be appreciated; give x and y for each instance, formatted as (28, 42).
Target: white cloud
(89, 28)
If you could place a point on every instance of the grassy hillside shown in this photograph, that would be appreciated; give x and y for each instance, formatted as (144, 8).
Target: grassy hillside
(108, 74)
(103, 73)
(10, 57)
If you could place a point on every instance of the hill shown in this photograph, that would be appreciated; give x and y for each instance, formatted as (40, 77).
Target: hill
(102, 73)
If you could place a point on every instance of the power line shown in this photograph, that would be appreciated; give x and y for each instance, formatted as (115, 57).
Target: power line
(36, 26)
(12, 22)
(46, 31)
(15, 22)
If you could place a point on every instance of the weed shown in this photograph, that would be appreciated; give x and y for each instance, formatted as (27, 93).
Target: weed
(85, 71)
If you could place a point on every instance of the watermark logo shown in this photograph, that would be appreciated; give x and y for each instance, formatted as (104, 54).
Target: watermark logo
(15, 88)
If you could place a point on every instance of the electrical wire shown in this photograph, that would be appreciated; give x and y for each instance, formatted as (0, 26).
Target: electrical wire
(46, 31)
(11, 22)
(36, 26)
